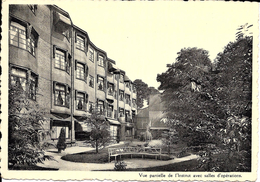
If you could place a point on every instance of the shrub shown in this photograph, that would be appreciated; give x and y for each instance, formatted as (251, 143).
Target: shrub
(61, 145)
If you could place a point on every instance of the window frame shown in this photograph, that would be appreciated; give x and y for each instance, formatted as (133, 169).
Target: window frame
(112, 86)
(101, 111)
(123, 113)
(103, 61)
(83, 68)
(84, 101)
(91, 80)
(80, 43)
(30, 39)
(110, 111)
(91, 54)
(121, 78)
(67, 59)
(27, 78)
(99, 78)
(128, 99)
(67, 92)
(121, 95)
(91, 104)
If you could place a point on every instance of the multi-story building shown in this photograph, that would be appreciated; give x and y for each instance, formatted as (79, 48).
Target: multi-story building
(62, 70)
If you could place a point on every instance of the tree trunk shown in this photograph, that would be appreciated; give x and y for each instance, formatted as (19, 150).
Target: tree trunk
(96, 146)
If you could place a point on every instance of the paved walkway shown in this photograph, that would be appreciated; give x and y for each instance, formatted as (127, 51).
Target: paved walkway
(73, 166)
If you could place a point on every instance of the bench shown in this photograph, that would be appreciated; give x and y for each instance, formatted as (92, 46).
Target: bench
(143, 151)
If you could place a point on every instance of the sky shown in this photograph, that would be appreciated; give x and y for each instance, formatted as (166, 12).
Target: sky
(143, 37)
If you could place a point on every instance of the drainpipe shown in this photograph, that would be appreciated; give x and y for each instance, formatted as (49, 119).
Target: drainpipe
(72, 87)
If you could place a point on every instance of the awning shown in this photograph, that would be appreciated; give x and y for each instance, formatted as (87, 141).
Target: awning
(81, 126)
(126, 79)
(58, 17)
(62, 22)
(110, 101)
(112, 67)
(112, 121)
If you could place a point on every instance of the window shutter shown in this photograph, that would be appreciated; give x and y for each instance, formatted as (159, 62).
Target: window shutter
(51, 123)
(86, 68)
(76, 93)
(69, 59)
(54, 86)
(76, 62)
(86, 97)
(54, 51)
(76, 37)
(86, 44)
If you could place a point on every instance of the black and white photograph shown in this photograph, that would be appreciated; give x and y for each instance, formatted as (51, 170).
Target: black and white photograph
(134, 90)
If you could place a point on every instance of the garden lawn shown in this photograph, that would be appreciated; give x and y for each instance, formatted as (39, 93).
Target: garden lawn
(101, 156)
(90, 156)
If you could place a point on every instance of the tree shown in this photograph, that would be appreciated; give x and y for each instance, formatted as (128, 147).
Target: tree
(99, 135)
(143, 92)
(182, 84)
(211, 108)
(24, 129)
(61, 145)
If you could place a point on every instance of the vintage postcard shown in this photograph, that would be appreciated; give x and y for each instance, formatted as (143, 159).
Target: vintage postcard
(140, 90)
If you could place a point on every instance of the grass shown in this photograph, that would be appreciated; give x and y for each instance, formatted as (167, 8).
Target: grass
(101, 156)
(90, 156)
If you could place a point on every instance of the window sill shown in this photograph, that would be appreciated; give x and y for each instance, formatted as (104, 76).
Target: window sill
(81, 79)
(61, 106)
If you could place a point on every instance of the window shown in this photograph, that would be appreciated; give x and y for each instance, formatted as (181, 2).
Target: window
(81, 100)
(24, 80)
(134, 89)
(91, 81)
(100, 83)
(134, 102)
(80, 43)
(101, 107)
(62, 95)
(19, 38)
(91, 107)
(127, 84)
(127, 113)
(61, 62)
(32, 87)
(101, 61)
(80, 74)
(110, 88)
(115, 114)
(133, 114)
(91, 54)
(121, 95)
(109, 111)
(121, 112)
(32, 7)
(127, 99)
(19, 78)
(121, 78)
